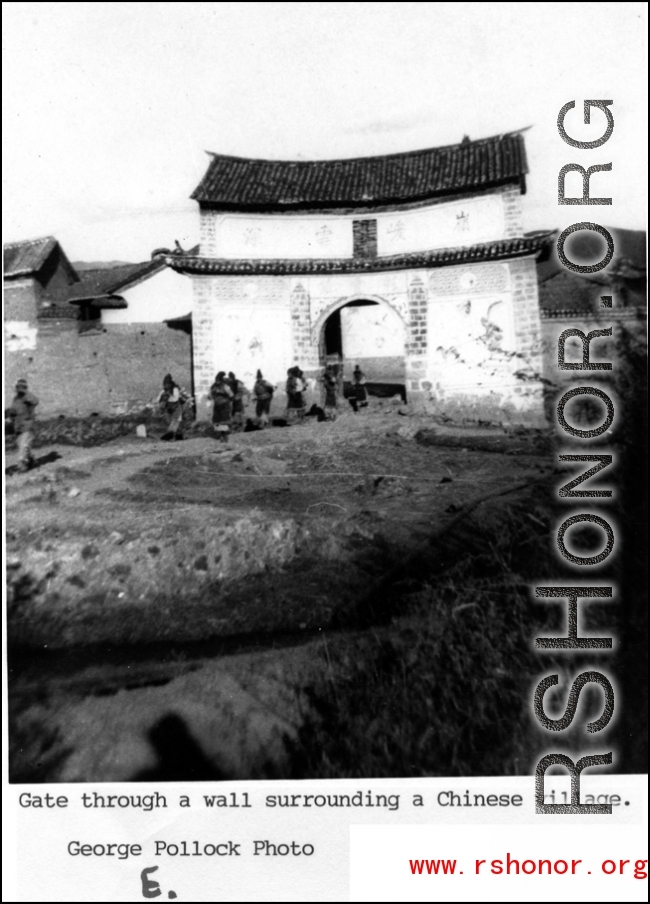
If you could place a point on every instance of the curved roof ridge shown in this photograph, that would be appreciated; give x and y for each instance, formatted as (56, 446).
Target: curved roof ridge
(255, 183)
(415, 153)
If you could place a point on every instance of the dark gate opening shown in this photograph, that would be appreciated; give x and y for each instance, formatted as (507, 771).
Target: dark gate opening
(333, 335)
(385, 374)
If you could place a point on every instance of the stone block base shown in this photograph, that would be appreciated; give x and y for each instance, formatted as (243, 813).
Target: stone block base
(513, 406)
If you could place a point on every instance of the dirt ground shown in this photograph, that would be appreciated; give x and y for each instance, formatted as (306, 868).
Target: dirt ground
(186, 610)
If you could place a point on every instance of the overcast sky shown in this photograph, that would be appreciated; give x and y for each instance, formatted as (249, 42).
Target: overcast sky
(109, 107)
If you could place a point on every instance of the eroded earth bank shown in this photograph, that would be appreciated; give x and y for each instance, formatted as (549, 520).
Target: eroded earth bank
(339, 599)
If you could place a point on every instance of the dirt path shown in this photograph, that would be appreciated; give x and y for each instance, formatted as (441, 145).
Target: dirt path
(182, 589)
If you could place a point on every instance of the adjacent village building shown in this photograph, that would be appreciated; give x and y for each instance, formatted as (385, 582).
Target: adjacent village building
(414, 266)
(93, 340)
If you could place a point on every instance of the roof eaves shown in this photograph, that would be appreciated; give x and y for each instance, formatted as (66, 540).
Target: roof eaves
(508, 248)
(148, 269)
(106, 301)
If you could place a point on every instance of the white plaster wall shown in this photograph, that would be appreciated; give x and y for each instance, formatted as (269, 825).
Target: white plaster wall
(471, 341)
(253, 335)
(373, 331)
(164, 295)
(20, 335)
(295, 236)
(391, 287)
(466, 343)
(291, 237)
(450, 225)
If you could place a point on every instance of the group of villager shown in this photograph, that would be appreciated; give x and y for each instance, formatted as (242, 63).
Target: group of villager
(229, 398)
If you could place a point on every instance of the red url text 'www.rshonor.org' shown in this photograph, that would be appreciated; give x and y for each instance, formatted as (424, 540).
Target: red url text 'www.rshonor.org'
(512, 866)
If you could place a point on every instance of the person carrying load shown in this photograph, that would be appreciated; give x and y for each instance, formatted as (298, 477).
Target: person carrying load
(171, 404)
(21, 414)
(263, 392)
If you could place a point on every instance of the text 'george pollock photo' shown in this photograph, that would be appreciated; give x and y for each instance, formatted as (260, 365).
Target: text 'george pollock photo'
(289, 446)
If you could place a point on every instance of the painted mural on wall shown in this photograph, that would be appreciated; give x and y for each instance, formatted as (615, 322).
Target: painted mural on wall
(472, 341)
(252, 337)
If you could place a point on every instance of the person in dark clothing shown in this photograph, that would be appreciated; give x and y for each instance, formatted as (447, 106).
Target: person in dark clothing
(359, 387)
(263, 392)
(21, 413)
(295, 399)
(222, 396)
(330, 384)
(171, 404)
(239, 392)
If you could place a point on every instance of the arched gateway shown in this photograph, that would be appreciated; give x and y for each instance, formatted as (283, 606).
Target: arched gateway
(296, 255)
(364, 331)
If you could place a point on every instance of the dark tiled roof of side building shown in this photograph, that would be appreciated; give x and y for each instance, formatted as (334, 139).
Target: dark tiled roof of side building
(569, 293)
(107, 280)
(93, 285)
(242, 183)
(21, 259)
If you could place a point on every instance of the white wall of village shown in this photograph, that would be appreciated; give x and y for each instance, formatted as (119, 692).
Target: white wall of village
(163, 296)
(483, 218)
(465, 333)
(245, 323)
(374, 337)
(467, 222)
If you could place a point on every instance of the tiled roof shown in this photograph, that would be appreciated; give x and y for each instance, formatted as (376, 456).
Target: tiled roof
(238, 182)
(98, 287)
(137, 273)
(27, 258)
(236, 267)
(104, 281)
(93, 288)
(57, 311)
(101, 281)
(101, 301)
(568, 293)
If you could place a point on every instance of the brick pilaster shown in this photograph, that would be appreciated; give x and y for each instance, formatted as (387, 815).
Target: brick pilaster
(512, 214)
(305, 353)
(208, 233)
(203, 338)
(417, 341)
(525, 300)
